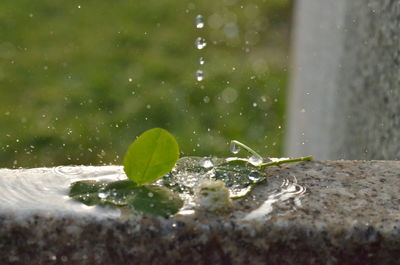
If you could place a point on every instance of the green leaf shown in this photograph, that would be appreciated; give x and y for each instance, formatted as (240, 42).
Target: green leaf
(156, 200)
(150, 199)
(151, 156)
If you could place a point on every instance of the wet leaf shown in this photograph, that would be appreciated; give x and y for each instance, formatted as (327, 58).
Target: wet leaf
(155, 200)
(239, 176)
(150, 199)
(151, 156)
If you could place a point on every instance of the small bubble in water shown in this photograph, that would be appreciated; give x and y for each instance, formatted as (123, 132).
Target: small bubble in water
(234, 148)
(201, 61)
(199, 75)
(151, 205)
(199, 21)
(206, 99)
(255, 160)
(130, 79)
(150, 194)
(200, 43)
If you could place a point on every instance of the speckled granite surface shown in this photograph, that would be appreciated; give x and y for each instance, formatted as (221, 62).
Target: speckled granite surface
(347, 212)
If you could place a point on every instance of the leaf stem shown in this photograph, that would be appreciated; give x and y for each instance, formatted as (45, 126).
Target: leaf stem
(248, 149)
(292, 160)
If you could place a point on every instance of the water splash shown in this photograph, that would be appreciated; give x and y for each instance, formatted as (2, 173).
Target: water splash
(207, 163)
(199, 21)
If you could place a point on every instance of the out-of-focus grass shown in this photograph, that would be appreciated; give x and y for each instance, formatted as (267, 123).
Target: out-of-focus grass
(80, 79)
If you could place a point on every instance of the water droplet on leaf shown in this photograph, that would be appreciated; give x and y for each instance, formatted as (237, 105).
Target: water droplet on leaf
(234, 148)
(255, 160)
(103, 195)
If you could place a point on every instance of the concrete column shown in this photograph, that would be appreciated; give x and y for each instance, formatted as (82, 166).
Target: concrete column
(345, 90)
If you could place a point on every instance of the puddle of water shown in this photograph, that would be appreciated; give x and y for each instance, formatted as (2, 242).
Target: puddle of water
(288, 190)
(45, 190)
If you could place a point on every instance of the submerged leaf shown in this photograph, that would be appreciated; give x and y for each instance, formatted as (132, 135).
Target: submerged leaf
(150, 199)
(156, 200)
(151, 156)
(239, 176)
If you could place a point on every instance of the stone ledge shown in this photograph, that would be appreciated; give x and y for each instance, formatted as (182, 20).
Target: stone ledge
(349, 214)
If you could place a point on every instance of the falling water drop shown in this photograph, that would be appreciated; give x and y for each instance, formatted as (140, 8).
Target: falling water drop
(200, 43)
(199, 21)
(234, 148)
(199, 75)
(201, 61)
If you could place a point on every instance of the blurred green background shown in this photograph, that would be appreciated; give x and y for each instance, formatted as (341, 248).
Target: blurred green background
(80, 79)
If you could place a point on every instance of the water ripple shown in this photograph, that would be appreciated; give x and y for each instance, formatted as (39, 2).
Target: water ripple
(288, 190)
(45, 190)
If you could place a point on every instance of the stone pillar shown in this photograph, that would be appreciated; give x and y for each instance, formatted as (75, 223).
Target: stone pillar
(345, 91)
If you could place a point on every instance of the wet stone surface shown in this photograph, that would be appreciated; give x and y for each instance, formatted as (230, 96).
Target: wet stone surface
(318, 212)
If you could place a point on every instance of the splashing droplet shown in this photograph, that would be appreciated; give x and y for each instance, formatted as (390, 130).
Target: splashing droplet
(200, 43)
(207, 164)
(199, 22)
(150, 194)
(234, 148)
(199, 75)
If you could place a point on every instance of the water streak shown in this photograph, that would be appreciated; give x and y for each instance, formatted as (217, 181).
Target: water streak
(201, 61)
